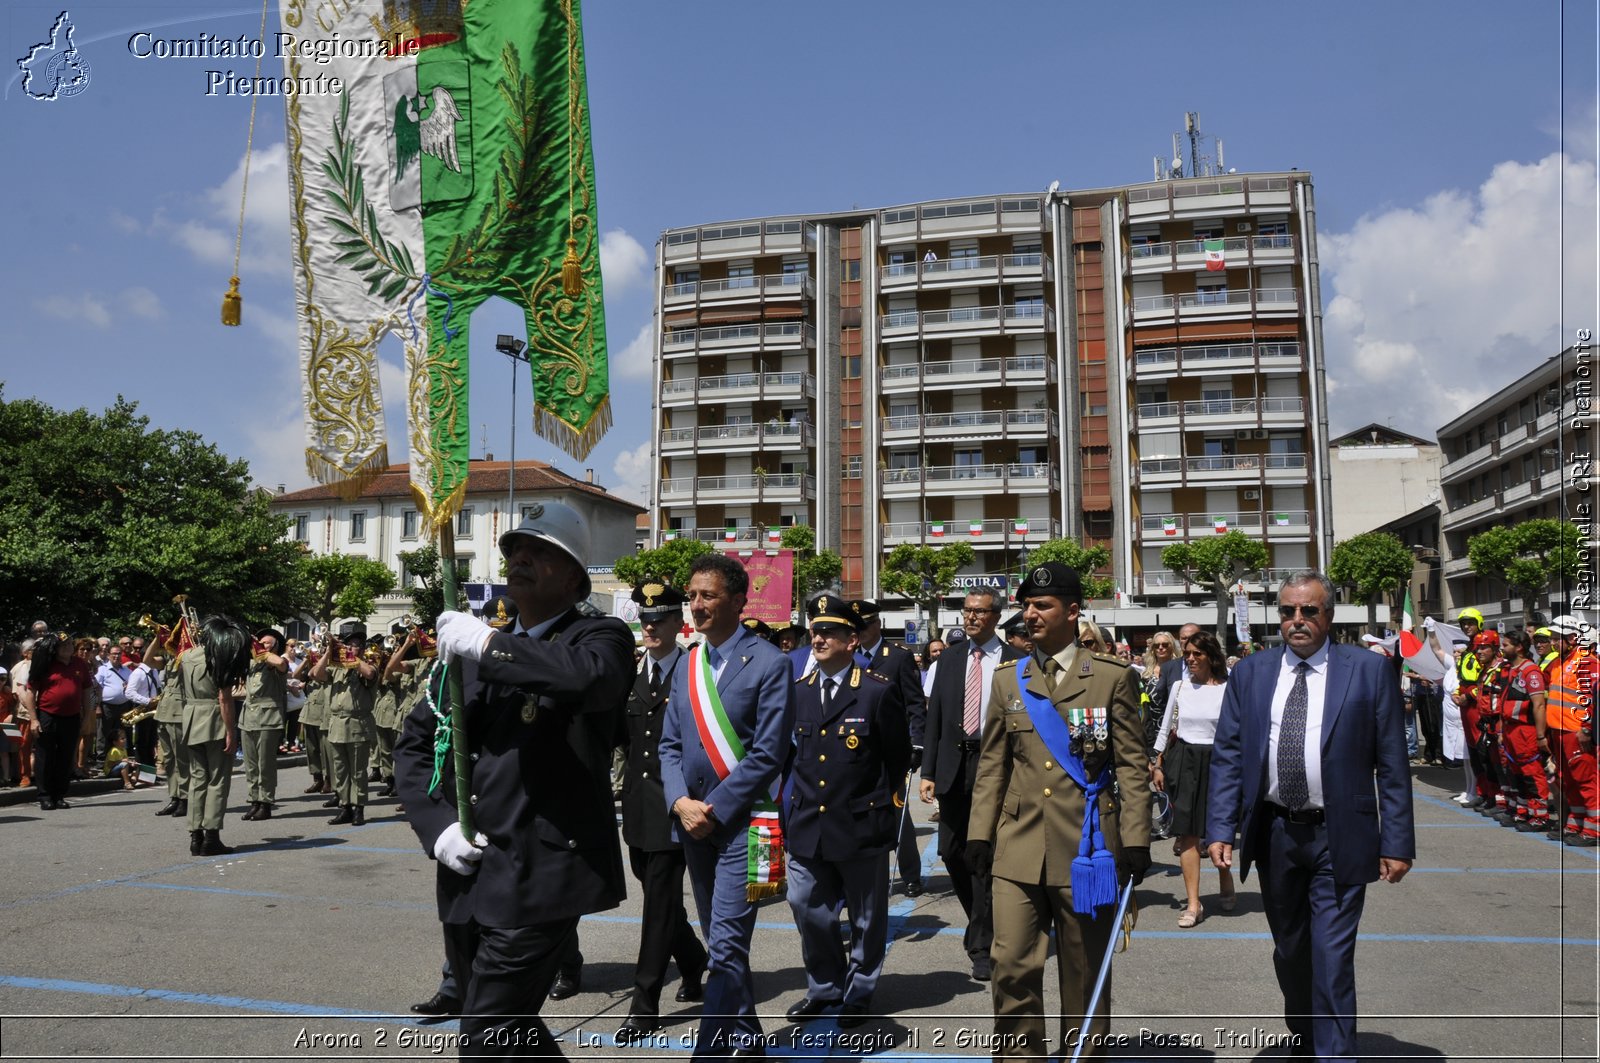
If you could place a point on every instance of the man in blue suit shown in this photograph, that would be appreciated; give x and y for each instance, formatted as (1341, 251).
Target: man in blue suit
(1309, 767)
(725, 735)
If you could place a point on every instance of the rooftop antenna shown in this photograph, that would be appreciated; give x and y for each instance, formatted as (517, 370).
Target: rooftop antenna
(1189, 158)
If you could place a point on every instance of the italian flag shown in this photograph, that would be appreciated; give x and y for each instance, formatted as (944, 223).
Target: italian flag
(1020, 527)
(671, 535)
(147, 774)
(774, 535)
(1408, 615)
(975, 527)
(1169, 526)
(1220, 524)
(730, 533)
(1214, 260)
(1280, 519)
(937, 529)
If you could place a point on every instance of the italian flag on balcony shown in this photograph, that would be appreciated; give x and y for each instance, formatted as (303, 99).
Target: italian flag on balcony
(1019, 526)
(975, 527)
(936, 529)
(730, 533)
(1220, 524)
(1169, 526)
(1280, 519)
(671, 535)
(1214, 261)
(774, 534)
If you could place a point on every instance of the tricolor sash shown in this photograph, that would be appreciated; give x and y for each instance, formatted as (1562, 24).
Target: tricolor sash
(1094, 870)
(764, 838)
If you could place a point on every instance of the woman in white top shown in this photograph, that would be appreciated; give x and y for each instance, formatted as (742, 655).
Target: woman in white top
(1183, 763)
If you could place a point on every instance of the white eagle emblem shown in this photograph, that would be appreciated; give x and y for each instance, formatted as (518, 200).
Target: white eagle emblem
(434, 135)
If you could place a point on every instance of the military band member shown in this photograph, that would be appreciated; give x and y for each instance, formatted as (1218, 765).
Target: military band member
(208, 673)
(850, 754)
(174, 750)
(313, 720)
(899, 666)
(266, 695)
(387, 714)
(351, 688)
(1062, 729)
(655, 856)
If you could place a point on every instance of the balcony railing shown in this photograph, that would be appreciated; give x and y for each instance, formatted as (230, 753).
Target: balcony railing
(1222, 463)
(777, 435)
(1029, 367)
(1214, 356)
(1020, 476)
(1022, 422)
(1156, 526)
(1217, 299)
(786, 334)
(990, 532)
(1015, 314)
(763, 385)
(1032, 264)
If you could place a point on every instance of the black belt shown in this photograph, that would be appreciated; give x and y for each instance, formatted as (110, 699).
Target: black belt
(969, 745)
(1311, 816)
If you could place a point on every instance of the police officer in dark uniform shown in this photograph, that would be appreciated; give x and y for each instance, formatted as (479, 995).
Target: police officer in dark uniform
(655, 856)
(852, 748)
(899, 666)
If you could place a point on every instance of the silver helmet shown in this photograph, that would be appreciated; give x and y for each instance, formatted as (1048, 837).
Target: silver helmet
(562, 527)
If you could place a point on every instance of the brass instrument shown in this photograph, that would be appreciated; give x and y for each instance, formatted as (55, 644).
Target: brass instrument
(142, 715)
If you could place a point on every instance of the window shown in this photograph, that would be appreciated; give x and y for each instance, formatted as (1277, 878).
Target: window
(358, 526)
(891, 217)
(464, 521)
(852, 269)
(799, 265)
(685, 276)
(904, 459)
(852, 367)
(852, 467)
(1207, 230)
(302, 527)
(1216, 448)
(1018, 206)
(741, 275)
(410, 523)
(463, 569)
(1286, 443)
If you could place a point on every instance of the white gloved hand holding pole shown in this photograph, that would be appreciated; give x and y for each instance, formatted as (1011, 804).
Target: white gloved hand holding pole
(453, 850)
(462, 635)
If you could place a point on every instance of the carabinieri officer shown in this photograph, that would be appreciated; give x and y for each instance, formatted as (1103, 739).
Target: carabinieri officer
(850, 755)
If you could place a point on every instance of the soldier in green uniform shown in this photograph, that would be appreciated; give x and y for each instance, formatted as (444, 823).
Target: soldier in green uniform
(398, 688)
(266, 696)
(207, 675)
(174, 753)
(1062, 744)
(313, 718)
(351, 688)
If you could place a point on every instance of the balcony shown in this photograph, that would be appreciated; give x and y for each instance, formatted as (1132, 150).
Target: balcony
(967, 373)
(692, 391)
(1208, 413)
(739, 240)
(1223, 468)
(969, 480)
(955, 272)
(739, 437)
(733, 339)
(1157, 527)
(1160, 581)
(980, 533)
(1468, 462)
(773, 487)
(1149, 309)
(1472, 511)
(1205, 197)
(974, 425)
(1160, 363)
(772, 287)
(1012, 319)
(1237, 251)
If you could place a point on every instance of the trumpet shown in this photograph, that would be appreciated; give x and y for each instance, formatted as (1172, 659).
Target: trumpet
(129, 719)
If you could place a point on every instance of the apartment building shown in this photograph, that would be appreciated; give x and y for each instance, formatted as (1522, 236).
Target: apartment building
(1133, 366)
(1525, 452)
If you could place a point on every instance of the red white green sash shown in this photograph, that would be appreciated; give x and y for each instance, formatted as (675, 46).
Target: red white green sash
(764, 838)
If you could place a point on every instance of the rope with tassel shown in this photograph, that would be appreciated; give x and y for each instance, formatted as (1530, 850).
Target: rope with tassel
(232, 302)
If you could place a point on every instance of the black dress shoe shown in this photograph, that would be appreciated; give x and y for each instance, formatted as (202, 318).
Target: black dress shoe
(981, 968)
(438, 1004)
(914, 889)
(346, 814)
(46, 805)
(183, 809)
(358, 816)
(265, 812)
(254, 810)
(691, 990)
(637, 1028)
(197, 841)
(853, 1015)
(168, 809)
(332, 802)
(566, 985)
(808, 1008)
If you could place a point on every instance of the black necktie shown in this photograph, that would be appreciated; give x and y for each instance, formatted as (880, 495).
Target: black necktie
(655, 679)
(1294, 790)
(827, 695)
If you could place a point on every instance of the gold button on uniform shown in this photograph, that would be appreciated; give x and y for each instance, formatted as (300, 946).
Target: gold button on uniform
(1047, 764)
(822, 808)
(822, 756)
(1047, 791)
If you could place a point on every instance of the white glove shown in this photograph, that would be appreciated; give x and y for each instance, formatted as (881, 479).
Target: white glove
(462, 635)
(454, 851)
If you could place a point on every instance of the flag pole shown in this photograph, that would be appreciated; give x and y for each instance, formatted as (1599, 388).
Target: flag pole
(455, 694)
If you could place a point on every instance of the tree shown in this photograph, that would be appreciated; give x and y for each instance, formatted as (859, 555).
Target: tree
(345, 585)
(813, 570)
(427, 594)
(667, 563)
(1081, 559)
(1217, 562)
(1371, 564)
(1527, 557)
(925, 574)
(104, 519)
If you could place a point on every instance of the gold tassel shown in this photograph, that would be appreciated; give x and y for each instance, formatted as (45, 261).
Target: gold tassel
(230, 303)
(572, 271)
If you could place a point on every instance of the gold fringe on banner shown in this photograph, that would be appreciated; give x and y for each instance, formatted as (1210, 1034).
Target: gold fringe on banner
(447, 507)
(577, 441)
(348, 485)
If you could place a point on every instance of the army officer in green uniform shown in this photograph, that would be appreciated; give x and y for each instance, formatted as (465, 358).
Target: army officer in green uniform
(1062, 731)
(352, 680)
(207, 675)
(266, 696)
(174, 753)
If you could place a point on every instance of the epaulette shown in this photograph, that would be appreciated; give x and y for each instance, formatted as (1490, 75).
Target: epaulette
(879, 676)
(808, 678)
(1109, 658)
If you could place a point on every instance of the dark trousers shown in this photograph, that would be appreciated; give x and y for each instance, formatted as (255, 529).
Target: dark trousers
(664, 933)
(110, 721)
(908, 854)
(1430, 716)
(1313, 921)
(55, 753)
(144, 739)
(507, 974)
(972, 889)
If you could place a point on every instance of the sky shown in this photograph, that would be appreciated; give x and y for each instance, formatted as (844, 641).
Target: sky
(1452, 144)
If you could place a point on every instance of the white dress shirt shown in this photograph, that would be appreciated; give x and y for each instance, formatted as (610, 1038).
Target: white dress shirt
(1316, 689)
(991, 661)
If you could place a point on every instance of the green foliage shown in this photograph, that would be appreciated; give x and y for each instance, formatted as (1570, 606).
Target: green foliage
(1081, 559)
(1371, 564)
(667, 563)
(812, 570)
(103, 519)
(925, 574)
(427, 594)
(343, 585)
(1218, 561)
(1527, 557)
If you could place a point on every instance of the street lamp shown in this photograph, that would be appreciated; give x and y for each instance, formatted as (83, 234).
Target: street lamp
(516, 350)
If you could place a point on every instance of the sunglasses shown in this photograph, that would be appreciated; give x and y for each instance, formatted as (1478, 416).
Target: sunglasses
(1310, 612)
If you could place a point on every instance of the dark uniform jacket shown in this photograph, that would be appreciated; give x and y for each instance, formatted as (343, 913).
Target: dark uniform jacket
(947, 705)
(646, 824)
(896, 664)
(541, 718)
(846, 768)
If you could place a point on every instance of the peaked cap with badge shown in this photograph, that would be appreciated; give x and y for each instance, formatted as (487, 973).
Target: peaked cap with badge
(829, 610)
(499, 612)
(1054, 579)
(658, 601)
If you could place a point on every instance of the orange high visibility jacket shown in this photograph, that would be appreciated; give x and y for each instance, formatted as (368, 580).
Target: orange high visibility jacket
(1572, 691)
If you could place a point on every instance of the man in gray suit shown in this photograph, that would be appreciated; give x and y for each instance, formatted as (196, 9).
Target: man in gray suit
(724, 738)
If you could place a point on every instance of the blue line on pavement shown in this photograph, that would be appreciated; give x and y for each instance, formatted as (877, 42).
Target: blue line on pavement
(1505, 870)
(274, 1007)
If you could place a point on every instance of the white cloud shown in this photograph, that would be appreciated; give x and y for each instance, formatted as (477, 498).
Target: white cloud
(1431, 308)
(142, 302)
(632, 469)
(211, 237)
(624, 262)
(635, 361)
(84, 307)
